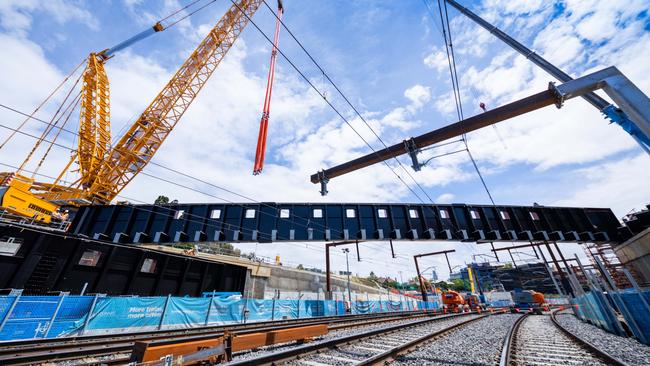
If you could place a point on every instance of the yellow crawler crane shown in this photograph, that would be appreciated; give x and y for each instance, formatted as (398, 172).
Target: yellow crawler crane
(104, 170)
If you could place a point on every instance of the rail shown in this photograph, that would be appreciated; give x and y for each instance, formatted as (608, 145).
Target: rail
(514, 346)
(34, 351)
(376, 359)
(599, 352)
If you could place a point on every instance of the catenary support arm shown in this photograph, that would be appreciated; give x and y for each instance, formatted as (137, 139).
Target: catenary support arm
(631, 99)
(630, 124)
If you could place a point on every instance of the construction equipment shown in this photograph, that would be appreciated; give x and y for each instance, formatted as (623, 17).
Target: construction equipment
(104, 169)
(264, 122)
(472, 302)
(527, 301)
(453, 301)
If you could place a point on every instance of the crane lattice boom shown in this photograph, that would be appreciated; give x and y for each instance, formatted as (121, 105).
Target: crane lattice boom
(136, 148)
(94, 121)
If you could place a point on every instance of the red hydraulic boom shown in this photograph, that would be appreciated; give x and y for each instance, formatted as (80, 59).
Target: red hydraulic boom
(264, 122)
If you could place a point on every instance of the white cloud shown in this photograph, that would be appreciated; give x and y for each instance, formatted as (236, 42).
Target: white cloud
(418, 95)
(436, 60)
(16, 15)
(445, 198)
(618, 185)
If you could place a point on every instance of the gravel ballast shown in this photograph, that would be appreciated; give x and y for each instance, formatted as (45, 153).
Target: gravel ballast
(477, 344)
(628, 350)
(438, 324)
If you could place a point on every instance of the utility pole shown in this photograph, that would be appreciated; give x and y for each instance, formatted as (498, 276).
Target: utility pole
(328, 287)
(417, 268)
(347, 264)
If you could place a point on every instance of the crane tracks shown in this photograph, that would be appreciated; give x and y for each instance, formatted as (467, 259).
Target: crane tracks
(538, 340)
(373, 347)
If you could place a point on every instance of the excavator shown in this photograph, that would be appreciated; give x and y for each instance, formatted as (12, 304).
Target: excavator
(105, 170)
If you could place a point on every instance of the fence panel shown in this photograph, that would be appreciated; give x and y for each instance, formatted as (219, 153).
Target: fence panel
(34, 316)
(186, 312)
(286, 309)
(71, 316)
(30, 317)
(224, 311)
(113, 314)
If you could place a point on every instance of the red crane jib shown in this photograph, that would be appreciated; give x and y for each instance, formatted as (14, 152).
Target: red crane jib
(264, 122)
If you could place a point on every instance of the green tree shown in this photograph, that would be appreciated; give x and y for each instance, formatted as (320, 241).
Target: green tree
(460, 285)
(300, 267)
(161, 200)
(442, 285)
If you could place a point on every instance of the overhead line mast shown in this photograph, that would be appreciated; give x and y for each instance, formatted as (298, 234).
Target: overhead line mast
(264, 122)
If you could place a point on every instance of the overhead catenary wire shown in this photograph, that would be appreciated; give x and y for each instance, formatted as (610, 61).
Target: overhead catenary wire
(324, 74)
(74, 105)
(451, 59)
(30, 116)
(151, 163)
(334, 108)
(166, 180)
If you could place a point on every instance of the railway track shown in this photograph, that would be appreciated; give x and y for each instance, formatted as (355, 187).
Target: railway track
(374, 347)
(116, 349)
(541, 340)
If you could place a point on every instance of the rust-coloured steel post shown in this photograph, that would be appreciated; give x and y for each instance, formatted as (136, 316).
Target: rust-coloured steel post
(494, 251)
(555, 261)
(328, 283)
(512, 258)
(561, 255)
(448, 264)
(358, 256)
(328, 279)
(422, 289)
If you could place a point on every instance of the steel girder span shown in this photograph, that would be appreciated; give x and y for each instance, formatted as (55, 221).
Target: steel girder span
(270, 222)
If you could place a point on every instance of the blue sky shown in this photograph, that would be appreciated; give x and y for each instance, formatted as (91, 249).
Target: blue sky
(387, 57)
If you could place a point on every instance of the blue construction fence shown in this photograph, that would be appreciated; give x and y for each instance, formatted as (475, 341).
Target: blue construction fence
(28, 317)
(601, 308)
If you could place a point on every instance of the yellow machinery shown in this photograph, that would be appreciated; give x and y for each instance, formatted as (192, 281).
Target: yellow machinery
(105, 170)
(18, 200)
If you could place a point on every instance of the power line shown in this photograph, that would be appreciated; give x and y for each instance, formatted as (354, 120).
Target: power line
(346, 99)
(161, 166)
(182, 185)
(451, 59)
(325, 99)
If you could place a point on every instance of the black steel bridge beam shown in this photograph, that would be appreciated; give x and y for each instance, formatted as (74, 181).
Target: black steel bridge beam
(324, 222)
